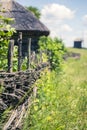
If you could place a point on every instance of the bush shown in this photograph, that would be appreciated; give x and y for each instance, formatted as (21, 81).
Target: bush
(4, 39)
(54, 49)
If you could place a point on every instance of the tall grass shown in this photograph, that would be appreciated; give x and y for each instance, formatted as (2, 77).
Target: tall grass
(61, 102)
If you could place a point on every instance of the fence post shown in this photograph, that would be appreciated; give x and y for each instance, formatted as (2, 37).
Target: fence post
(29, 54)
(10, 55)
(41, 59)
(19, 51)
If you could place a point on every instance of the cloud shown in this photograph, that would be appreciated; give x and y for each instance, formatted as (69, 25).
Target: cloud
(85, 19)
(54, 15)
(66, 28)
(56, 12)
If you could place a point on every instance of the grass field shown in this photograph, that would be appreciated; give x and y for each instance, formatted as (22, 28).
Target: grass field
(75, 78)
(76, 69)
(62, 99)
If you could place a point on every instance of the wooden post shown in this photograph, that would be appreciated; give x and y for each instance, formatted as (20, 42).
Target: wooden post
(40, 56)
(19, 51)
(10, 55)
(29, 54)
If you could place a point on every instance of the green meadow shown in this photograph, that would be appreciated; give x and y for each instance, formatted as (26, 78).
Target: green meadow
(61, 102)
(76, 68)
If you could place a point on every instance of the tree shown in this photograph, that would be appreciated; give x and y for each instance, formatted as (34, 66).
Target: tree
(35, 11)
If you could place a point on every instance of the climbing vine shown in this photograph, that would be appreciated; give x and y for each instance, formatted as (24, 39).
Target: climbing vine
(5, 34)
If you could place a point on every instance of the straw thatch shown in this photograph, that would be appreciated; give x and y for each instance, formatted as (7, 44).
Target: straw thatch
(24, 20)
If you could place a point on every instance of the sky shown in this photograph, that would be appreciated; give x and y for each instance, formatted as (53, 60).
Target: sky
(66, 19)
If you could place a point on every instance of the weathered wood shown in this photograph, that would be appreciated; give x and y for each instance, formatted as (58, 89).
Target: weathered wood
(22, 113)
(19, 92)
(20, 51)
(3, 106)
(35, 92)
(15, 120)
(11, 119)
(11, 96)
(10, 55)
(24, 20)
(41, 59)
(29, 54)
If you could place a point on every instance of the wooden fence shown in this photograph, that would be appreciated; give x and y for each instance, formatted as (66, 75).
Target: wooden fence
(31, 55)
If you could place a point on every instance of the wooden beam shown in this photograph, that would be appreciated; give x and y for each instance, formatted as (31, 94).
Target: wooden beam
(19, 51)
(29, 54)
(10, 55)
(11, 119)
(41, 60)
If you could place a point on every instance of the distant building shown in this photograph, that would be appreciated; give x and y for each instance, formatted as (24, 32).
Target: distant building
(78, 43)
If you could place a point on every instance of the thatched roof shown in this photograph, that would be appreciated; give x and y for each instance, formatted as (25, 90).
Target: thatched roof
(25, 21)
